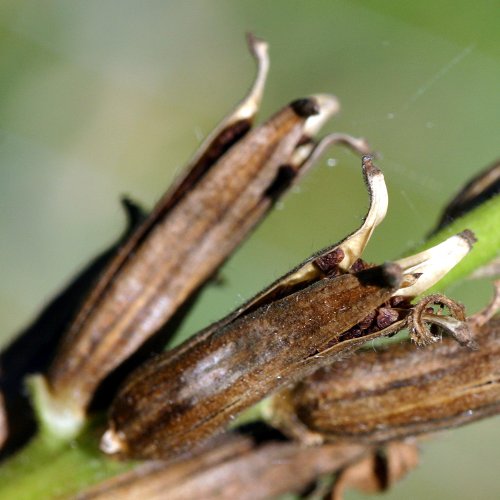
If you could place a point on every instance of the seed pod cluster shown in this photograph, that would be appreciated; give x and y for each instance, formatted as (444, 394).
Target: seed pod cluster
(304, 320)
(228, 187)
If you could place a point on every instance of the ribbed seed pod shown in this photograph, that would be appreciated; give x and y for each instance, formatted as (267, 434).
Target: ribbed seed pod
(396, 392)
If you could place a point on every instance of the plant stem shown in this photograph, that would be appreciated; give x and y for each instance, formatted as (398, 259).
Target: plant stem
(46, 468)
(484, 221)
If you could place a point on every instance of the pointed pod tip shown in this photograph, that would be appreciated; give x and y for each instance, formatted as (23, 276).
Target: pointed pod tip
(388, 275)
(391, 274)
(468, 236)
(317, 109)
(256, 45)
(308, 106)
(368, 167)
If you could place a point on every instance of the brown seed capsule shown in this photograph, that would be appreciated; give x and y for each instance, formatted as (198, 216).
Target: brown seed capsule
(32, 350)
(479, 189)
(183, 397)
(238, 469)
(229, 186)
(377, 471)
(400, 391)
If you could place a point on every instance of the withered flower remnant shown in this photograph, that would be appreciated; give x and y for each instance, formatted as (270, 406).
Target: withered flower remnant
(228, 187)
(303, 321)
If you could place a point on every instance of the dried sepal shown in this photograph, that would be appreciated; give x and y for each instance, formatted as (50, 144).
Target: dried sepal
(354, 245)
(479, 189)
(378, 471)
(422, 318)
(434, 263)
(235, 468)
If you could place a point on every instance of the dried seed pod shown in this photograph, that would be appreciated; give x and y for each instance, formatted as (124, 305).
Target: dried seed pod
(185, 396)
(283, 410)
(398, 392)
(377, 471)
(32, 350)
(229, 186)
(479, 189)
(236, 469)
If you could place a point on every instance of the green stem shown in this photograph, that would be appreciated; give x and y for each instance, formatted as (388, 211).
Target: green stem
(47, 468)
(484, 221)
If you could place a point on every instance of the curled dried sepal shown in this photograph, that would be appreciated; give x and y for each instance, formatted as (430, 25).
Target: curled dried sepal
(308, 154)
(340, 256)
(354, 245)
(422, 317)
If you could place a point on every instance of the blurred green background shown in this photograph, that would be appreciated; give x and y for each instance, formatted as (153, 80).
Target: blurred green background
(102, 98)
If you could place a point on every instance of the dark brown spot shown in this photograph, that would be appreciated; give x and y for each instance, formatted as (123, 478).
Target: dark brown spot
(367, 321)
(388, 275)
(359, 265)
(386, 317)
(328, 263)
(281, 182)
(305, 107)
